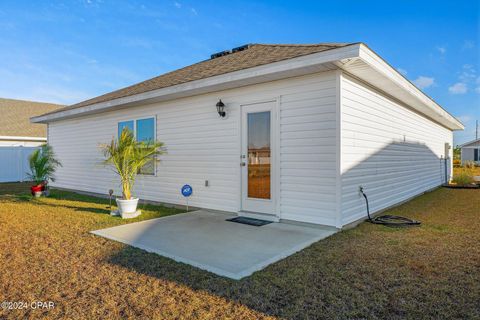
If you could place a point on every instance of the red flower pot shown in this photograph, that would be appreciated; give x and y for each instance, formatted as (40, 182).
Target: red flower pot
(37, 188)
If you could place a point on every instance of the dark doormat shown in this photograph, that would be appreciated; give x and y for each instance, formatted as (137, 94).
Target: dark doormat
(250, 221)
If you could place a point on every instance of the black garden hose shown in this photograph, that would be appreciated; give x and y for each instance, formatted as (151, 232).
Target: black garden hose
(389, 220)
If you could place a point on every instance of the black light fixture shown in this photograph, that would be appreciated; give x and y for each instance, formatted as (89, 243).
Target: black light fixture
(221, 108)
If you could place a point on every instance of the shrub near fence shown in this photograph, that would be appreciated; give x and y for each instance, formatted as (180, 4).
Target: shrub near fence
(457, 163)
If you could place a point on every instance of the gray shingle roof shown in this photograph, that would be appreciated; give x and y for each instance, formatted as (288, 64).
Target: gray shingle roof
(255, 55)
(15, 117)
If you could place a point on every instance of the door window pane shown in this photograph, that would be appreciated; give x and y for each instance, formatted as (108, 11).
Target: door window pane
(125, 124)
(259, 155)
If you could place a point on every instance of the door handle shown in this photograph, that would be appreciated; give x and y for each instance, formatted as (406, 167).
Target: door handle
(242, 164)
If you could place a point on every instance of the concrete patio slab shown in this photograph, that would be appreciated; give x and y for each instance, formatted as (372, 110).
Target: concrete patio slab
(205, 240)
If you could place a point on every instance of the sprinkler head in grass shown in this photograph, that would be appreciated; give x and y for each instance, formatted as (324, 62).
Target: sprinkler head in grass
(110, 193)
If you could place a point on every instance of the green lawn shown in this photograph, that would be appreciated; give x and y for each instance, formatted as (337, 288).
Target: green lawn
(369, 272)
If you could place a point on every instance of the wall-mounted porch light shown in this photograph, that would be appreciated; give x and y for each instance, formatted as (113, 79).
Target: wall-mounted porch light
(221, 108)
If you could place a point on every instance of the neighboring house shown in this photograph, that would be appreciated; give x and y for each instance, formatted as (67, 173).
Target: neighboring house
(15, 126)
(470, 151)
(331, 117)
(19, 137)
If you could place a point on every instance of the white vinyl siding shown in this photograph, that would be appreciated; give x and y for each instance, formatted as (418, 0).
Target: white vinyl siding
(467, 152)
(392, 151)
(307, 153)
(201, 146)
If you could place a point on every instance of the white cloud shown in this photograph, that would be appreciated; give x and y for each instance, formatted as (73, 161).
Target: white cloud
(467, 77)
(424, 82)
(402, 71)
(464, 119)
(458, 88)
(92, 3)
(192, 10)
(442, 49)
(468, 44)
(468, 73)
(136, 42)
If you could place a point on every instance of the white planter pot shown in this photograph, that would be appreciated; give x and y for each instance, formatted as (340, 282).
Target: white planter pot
(38, 194)
(127, 206)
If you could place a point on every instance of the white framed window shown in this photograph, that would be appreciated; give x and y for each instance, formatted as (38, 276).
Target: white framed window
(144, 129)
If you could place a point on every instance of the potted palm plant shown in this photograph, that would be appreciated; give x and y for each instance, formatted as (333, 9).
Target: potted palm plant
(127, 156)
(42, 167)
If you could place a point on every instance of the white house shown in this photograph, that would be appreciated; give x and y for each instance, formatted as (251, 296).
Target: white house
(304, 127)
(470, 151)
(19, 137)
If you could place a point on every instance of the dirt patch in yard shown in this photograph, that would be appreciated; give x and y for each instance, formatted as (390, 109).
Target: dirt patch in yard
(371, 271)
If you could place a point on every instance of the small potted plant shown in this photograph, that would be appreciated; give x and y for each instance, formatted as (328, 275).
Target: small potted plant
(127, 156)
(42, 164)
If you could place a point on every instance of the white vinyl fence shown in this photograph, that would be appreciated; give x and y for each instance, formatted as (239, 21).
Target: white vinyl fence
(14, 163)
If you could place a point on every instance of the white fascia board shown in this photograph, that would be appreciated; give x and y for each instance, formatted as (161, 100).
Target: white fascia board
(19, 138)
(273, 71)
(381, 66)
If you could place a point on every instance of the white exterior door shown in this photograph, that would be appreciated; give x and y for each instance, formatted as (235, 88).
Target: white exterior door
(258, 158)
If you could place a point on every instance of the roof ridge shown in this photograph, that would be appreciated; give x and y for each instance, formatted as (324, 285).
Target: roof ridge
(31, 101)
(324, 44)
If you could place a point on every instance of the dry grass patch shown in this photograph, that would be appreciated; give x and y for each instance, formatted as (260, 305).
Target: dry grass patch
(474, 171)
(374, 272)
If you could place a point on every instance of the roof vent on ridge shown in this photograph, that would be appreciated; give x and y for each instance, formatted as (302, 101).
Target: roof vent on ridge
(220, 54)
(225, 52)
(241, 48)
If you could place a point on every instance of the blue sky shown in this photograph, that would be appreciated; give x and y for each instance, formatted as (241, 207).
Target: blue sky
(67, 51)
